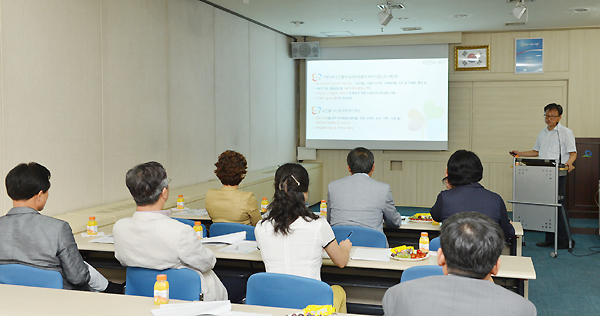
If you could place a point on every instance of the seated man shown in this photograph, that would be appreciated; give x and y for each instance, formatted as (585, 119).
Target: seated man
(463, 173)
(471, 244)
(151, 239)
(358, 200)
(29, 238)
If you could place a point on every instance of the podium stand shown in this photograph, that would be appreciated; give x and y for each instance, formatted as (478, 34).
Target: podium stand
(536, 198)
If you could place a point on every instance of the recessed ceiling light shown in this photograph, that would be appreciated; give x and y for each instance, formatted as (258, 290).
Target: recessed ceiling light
(461, 16)
(338, 34)
(297, 23)
(580, 10)
(349, 20)
(409, 29)
(402, 19)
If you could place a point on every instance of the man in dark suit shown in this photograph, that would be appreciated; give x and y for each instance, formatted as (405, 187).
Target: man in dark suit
(30, 238)
(358, 199)
(469, 253)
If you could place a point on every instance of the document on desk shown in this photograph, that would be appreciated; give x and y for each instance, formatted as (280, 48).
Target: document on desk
(189, 212)
(229, 239)
(244, 246)
(371, 254)
(104, 240)
(193, 309)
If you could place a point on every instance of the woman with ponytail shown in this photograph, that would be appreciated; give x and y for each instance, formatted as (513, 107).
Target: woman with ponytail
(291, 238)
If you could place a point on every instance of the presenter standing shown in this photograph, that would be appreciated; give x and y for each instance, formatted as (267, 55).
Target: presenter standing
(555, 142)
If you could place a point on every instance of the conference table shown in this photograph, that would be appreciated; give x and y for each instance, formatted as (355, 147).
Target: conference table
(35, 301)
(357, 275)
(407, 232)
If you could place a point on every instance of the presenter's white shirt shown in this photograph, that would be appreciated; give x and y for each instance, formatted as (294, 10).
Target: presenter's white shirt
(297, 253)
(547, 143)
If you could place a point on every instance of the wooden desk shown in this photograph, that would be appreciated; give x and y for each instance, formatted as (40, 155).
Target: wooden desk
(512, 267)
(34, 301)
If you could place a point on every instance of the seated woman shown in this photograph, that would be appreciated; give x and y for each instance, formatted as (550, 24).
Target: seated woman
(291, 238)
(228, 204)
(463, 173)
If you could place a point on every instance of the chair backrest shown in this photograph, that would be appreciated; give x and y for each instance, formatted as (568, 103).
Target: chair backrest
(184, 284)
(434, 244)
(361, 236)
(191, 223)
(218, 229)
(417, 272)
(287, 291)
(19, 274)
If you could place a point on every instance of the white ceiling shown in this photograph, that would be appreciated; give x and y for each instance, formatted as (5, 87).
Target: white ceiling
(431, 15)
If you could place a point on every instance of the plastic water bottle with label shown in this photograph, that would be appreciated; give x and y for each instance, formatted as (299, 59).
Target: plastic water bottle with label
(161, 290)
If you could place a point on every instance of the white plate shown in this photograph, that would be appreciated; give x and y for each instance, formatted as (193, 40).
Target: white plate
(409, 259)
(419, 221)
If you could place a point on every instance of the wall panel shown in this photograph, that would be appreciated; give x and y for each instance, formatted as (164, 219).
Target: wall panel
(263, 98)
(51, 97)
(135, 113)
(191, 119)
(287, 104)
(232, 84)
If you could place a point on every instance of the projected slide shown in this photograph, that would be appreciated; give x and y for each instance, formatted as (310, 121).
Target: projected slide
(381, 104)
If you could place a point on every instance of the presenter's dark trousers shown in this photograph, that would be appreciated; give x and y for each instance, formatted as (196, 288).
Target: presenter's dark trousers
(562, 230)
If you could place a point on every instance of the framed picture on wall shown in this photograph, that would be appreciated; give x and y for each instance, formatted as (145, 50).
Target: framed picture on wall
(472, 58)
(529, 55)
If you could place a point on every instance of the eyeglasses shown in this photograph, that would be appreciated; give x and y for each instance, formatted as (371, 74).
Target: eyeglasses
(551, 116)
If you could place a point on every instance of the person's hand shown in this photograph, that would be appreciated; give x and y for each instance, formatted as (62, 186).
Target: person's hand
(346, 245)
(570, 166)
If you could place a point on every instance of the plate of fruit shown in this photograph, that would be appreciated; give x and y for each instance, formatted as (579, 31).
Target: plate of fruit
(421, 217)
(408, 253)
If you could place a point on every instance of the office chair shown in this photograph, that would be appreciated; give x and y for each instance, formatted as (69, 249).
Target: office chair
(434, 244)
(287, 291)
(417, 272)
(184, 284)
(191, 223)
(218, 229)
(361, 236)
(19, 274)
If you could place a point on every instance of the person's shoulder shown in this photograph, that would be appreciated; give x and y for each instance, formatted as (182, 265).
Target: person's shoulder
(340, 181)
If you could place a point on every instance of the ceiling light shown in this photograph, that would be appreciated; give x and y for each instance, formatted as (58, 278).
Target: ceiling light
(402, 19)
(349, 20)
(580, 10)
(409, 29)
(519, 9)
(461, 16)
(297, 23)
(385, 17)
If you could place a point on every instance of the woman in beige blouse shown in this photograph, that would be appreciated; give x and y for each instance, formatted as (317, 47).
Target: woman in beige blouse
(228, 204)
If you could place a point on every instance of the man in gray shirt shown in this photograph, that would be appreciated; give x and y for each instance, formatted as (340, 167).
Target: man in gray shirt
(30, 238)
(359, 200)
(469, 254)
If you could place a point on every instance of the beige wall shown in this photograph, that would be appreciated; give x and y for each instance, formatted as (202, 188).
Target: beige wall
(91, 88)
(492, 112)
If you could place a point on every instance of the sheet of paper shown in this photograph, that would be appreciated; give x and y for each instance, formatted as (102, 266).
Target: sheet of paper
(104, 240)
(229, 239)
(232, 313)
(371, 254)
(100, 234)
(244, 246)
(193, 309)
(189, 212)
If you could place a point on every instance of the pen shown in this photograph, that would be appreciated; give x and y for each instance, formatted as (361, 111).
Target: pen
(349, 235)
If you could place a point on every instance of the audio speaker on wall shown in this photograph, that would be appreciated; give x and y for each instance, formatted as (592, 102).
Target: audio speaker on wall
(307, 50)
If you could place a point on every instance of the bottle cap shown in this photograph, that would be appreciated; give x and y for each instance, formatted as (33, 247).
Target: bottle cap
(264, 198)
(92, 218)
(198, 223)
(424, 234)
(161, 277)
(180, 196)
(323, 201)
